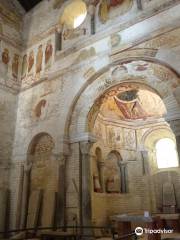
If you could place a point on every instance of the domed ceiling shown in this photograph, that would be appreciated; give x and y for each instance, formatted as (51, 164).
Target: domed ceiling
(131, 102)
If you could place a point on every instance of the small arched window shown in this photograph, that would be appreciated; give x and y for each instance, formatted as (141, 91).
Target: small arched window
(74, 14)
(166, 153)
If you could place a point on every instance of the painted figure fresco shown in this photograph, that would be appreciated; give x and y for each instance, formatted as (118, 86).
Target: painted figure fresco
(5, 56)
(15, 66)
(131, 110)
(103, 11)
(48, 54)
(39, 109)
(30, 62)
(24, 67)
(5, 61)
(114, 3)
(131, 102)
(39, 59)
(105, 6)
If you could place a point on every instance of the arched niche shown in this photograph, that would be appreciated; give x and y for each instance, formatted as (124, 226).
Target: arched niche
(128, 101)
(43, 139)
(153, 135)
(149, 140)
(40, 155)
(115, 173)
(74, 14)
(40, 178)
(164, 179)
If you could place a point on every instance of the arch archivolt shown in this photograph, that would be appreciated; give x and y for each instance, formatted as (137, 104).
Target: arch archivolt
(160, 78)
(27, 142)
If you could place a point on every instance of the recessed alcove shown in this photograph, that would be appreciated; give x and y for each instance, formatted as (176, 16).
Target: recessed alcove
(124, 120)
(74, 14)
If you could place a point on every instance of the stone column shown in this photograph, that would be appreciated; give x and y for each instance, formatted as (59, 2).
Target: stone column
(61, 208)
(19, 197)
(92, 11)
(26, 185)
(145, 164)
(101, 166)
(85, 187)
(123, 176)
(139, 4)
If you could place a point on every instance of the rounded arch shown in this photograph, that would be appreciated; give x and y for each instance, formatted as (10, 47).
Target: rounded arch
(116, 154)
(99, 83)
(166, 153)
(118, 90)
(115, 174)
(100, 147)
(86, 111)
(36, 139)
(40, 159)
(150, 138)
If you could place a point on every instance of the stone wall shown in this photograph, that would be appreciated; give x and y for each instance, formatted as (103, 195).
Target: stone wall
(59, 88)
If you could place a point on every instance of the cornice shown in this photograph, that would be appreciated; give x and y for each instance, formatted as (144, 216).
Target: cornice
(102, 33)
(9, 89)
(13, 42)
(38, 38)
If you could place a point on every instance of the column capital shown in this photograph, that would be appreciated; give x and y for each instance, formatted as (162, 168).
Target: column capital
(28, 166)
(101, 163)
(85, 147)
(60, 157)
(91, 9)
(122, 163)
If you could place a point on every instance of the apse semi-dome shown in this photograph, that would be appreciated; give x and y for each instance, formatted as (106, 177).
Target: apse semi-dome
(132, 102)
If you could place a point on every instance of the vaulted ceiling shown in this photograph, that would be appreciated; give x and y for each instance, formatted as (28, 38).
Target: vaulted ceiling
(28, 4)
